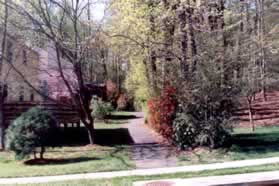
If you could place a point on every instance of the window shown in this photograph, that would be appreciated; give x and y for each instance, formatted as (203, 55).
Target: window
(10, 52)
(21, 94)
(1, 57)
(44, 89)
(24, 56)
(5, 91)
(32, 97)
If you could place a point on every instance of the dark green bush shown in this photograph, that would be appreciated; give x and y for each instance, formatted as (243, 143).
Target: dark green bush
(185, 131)
(34, 129)
(214, 134)
(206, 107)
(190, 132)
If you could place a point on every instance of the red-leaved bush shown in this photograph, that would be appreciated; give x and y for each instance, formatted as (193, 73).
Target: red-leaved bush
(112, 92)
(122, 102)
(162, 111)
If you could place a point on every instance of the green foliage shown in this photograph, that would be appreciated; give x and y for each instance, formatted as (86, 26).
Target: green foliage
(34, 128)
(191, 133)
(100, 109)
(137, 85)
(206, 109)
(185, 131)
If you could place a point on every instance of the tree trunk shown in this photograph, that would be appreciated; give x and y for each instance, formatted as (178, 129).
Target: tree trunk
(223, 40)
(184, 41)
(2, 121)
(262, 46)
(260, 34)
(90, 131)
(3, 46)
(249, 102)
(192, 37)
(168, 28)
(151, 59)
(42, 152)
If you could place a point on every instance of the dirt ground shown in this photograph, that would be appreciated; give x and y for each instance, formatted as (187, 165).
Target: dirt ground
(265, 113)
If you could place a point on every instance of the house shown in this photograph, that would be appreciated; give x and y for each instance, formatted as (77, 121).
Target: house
(31, 74)
(20, 69)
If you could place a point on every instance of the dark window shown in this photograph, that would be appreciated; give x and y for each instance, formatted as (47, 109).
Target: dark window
(5, 91)
(44, 89)
(21, 97)
(21, 94)
(32, 96)
(10, 52)
(24, 53)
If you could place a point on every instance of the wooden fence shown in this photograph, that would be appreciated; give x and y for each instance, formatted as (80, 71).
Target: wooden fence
(63, 113)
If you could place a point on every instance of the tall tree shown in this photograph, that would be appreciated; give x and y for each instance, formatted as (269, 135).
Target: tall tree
(2, 58)
(62, 24)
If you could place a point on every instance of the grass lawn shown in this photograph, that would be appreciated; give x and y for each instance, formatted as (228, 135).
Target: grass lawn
(69, 160)
(128, 181)
(111, 153)
(262, 143)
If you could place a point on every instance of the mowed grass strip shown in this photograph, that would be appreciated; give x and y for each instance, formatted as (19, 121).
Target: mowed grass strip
(128, 181)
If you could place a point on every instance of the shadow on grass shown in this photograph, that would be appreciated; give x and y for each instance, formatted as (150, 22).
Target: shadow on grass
(122, 117)
(116, 154)
(105, 137)
(42, 162)
(259, 143)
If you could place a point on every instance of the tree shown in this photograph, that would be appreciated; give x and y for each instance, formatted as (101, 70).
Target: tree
(62, 24)
(204, 117)
(34, 129)
(3, 46)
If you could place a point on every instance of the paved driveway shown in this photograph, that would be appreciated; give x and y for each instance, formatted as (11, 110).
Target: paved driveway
(148, 151)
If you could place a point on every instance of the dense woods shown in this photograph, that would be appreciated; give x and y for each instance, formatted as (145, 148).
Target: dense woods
(211, 53)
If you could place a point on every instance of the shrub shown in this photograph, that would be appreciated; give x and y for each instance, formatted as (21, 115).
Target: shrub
(207, 107)
(34, 129)
(214, 134)
(185, 131)
(190, 132)
(122, 102)
(100, 109)
(112, 92)
(154, 113)
(162, 112)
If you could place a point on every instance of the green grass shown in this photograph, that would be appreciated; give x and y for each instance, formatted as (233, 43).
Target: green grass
(262, 143)
(116, 120)
(128, 181)
(69, 160)
(110, 125)
(122, 113)
(112, 154)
